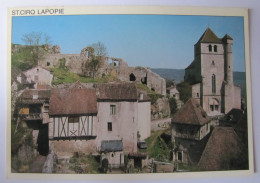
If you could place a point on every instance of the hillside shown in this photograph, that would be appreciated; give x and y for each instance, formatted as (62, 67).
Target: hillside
(178, 75)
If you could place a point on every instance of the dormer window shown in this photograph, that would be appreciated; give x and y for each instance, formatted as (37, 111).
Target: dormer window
(215, 48)
(210, 48)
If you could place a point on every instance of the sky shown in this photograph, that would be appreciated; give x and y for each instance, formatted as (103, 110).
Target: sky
(155, 41)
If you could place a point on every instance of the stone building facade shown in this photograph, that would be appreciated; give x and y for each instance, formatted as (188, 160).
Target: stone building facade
(39, 76)
(211, 74)
(190, 126)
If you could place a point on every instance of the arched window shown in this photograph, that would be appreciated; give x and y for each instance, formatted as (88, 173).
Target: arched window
(210, 48)
(213, 79)
(215, 48)
(132, 77)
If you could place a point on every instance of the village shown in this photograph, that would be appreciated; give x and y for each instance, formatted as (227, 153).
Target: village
(89, 113)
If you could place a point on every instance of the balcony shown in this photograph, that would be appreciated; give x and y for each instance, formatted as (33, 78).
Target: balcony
(31, 116)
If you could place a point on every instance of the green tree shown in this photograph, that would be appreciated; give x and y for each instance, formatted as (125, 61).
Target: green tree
(100, 51)
(185, 91)
(173, 105)
(169, 83)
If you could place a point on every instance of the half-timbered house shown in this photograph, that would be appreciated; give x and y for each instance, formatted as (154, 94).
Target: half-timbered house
(73, 117)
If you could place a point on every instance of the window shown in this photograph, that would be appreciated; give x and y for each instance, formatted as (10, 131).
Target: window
(179, 156)
(210, 48)
(216, 107)
(211, 107)
(36, 78)
(73, 119)
(48, 64)
(109, 126)
(213, 62)
(46, 108)
(112, 109)
(213, 79)
(215, 48)
(198, 95)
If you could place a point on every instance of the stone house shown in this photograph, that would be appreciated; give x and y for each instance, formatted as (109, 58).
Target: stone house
(190, 126)
(173, 92)
(122, 114)
(34, 108)
(211, 74)
(112, 150)
(39, 76)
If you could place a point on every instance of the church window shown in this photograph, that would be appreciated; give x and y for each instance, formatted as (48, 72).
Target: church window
(210, 48)
(213, 62)
(215, 48)
(213, 79)
(216, 107)
(212, 107)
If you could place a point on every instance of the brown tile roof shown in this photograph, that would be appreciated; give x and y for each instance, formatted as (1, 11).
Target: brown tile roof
(75, 101)
(223, 146)
(42, 94)
(117, 92)
(209, 37)
(191, 113)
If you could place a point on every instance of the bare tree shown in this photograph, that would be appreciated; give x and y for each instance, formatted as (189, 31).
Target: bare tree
(99, 49)
(37, 44)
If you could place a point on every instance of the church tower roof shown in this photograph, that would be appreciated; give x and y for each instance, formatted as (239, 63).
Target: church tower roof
(227, 37)
(209, 37)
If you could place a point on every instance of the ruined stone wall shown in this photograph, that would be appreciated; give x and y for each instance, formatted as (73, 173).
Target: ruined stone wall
(78, 63)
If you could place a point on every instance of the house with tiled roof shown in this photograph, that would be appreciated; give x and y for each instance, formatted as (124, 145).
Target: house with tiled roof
(211, 74)
(190, 126)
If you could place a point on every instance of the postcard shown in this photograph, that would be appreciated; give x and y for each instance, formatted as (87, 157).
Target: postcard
(116, 91)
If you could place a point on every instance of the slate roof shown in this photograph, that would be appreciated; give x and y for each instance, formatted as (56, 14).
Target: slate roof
(191, 66)
(74, 101)
(222, 147)
(209, 37)
(111, 145)
(191, 113)
(227, 37)
(117, 92)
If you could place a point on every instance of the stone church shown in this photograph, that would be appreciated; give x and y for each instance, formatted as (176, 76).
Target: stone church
(211, 74)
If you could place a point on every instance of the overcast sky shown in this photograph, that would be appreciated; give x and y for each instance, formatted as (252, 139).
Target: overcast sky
(156, 41)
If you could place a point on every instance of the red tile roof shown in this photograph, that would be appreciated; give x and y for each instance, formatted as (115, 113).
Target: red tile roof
(75, 101)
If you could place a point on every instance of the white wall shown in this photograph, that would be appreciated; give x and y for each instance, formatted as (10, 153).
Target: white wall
(124, 123)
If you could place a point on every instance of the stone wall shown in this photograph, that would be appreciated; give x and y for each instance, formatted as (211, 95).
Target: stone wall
(78, 63)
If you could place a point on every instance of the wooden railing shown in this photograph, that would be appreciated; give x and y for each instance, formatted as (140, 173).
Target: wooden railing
(32, 116)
